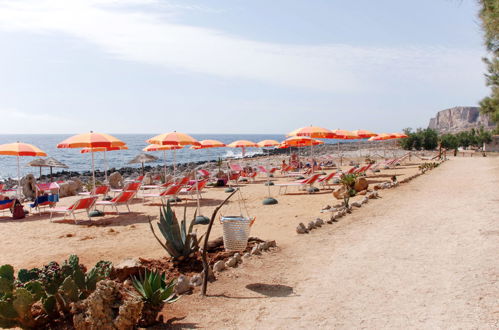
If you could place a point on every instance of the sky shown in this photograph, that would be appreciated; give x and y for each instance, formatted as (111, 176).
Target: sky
(234, 66)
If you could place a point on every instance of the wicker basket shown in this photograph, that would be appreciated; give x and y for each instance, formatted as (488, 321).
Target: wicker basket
(236, 230)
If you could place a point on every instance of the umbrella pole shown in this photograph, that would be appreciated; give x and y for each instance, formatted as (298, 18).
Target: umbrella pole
(19, 190)
(40, 173)
(164, 163)
(174, 162)
(105, 166)
(312, 156)
(93, 170)
(197, 193)
(50, 173)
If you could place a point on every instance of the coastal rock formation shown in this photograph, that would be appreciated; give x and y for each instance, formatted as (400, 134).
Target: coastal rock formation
(360, 184)
(70, 188)
(460, 119)
(28, 183)
(115, 180)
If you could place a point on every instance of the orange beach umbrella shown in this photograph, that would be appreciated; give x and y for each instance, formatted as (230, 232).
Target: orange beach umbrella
(243, 144)
(364, 134)
(157, 147)
(382, 137)
(399, 135)
(301, 141)
(173, 138)
(164, 148)
(91, 140)
(19, 149)
(204, 144)
(268, 143)
(345, 135)
(313, 132)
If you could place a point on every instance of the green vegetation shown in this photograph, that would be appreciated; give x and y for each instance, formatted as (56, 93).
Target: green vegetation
(489, 15)
(180, 242)
(421, 139)
(154, 289)
(348, 182)
(428, 139)
(39, 296)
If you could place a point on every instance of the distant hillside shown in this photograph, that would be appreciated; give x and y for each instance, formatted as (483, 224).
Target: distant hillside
(460, 119)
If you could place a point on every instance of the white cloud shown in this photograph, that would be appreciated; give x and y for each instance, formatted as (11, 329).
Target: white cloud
(140, 31)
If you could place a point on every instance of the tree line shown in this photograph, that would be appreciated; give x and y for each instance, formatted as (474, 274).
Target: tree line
(489, 16)
(429, 139)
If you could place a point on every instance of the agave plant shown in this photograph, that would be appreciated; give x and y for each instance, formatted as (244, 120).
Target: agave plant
(154, 289)
(180, 241)
(348, 182)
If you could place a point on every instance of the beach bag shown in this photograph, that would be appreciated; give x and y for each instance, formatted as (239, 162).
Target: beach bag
(18, 211)
(236, 230)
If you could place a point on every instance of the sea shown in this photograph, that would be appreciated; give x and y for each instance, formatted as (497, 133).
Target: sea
(79, 162)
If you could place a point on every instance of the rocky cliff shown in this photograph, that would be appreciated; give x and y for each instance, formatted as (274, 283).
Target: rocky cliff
(460, 119)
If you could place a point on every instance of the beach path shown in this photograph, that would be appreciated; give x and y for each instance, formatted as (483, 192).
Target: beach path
(425, 255)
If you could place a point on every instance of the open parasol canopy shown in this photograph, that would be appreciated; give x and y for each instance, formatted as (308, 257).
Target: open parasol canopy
(204, 144)
(173, 138)
(313, 132)
(268, 143)
(164, 148)
(345, 135)
(19, 149)
(243, 144)
(91, 140)
(382, 137)
(364, 134)
(399, 135)
(301, 141)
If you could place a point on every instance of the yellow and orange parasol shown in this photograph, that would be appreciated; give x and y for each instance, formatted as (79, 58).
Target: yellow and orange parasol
(313, 132)
(19, 149)
(92, 140)
(382, 137)
(174, 138)
(268, 143)
(243, 144)
(205, 144)
(164, 148)
(301, 141)
(364, 134)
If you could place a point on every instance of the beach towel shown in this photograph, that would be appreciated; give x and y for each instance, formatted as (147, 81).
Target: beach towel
(44, 199)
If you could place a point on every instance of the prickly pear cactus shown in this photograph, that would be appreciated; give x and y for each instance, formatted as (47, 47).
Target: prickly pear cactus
(6, 279)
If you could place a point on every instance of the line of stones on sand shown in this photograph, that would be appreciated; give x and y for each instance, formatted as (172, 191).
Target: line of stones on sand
(340, 210)
(186, 284)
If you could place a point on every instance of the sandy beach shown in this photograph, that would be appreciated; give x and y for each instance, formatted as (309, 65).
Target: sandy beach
(423, 255)
(116, 237)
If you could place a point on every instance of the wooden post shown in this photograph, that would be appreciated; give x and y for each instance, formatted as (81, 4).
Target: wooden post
(206, 267)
